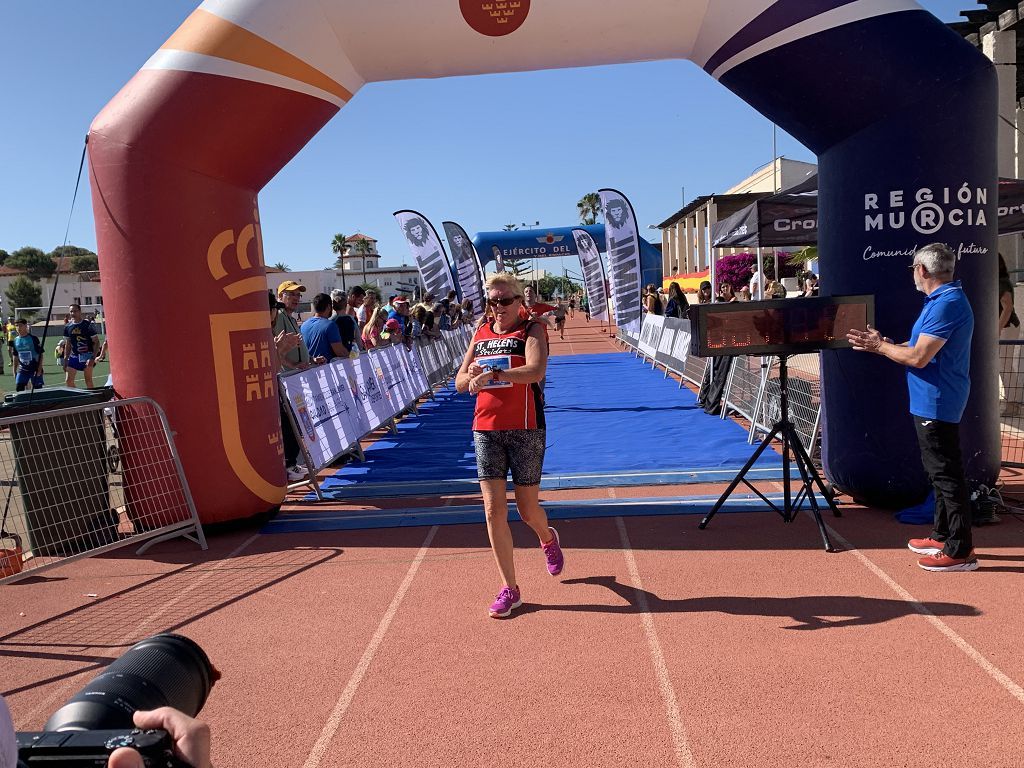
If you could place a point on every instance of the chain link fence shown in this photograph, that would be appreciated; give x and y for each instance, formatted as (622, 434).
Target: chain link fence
(86, 479)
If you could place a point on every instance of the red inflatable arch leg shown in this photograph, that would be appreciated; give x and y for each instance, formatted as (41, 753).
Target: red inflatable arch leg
(176, 160)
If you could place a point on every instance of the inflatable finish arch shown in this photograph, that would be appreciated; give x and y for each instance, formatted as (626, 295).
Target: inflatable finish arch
(900, 110)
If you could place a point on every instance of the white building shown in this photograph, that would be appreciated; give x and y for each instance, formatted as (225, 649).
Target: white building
(72, 287)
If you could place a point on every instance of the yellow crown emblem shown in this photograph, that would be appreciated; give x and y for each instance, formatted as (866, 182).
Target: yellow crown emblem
(217, 254)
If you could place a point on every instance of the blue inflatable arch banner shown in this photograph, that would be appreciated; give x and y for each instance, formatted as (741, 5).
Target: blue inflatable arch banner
(557, 243)
(899, 109)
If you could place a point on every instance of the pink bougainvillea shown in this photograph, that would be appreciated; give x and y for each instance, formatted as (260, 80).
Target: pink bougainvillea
(737, 268)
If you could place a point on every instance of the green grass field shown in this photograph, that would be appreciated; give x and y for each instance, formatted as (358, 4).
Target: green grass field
(53, 376)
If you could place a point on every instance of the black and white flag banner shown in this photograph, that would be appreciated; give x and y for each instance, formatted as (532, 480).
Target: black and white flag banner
(427, 251)
(593, 273)
(623, 245)
(467, 265)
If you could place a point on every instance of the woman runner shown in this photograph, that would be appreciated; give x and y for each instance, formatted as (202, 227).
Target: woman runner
(503, 367)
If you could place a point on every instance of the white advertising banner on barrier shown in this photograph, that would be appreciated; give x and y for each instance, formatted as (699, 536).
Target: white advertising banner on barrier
(396, 379)
(650, 334)
(417, 376)
(623, 247)
(371, 396)
(681, 345)
(324, 410)
(593, 274)
(668, 335)
(436, 357)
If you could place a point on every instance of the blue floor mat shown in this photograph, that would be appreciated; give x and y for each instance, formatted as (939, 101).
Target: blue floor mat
(306, 521)
(611, 421)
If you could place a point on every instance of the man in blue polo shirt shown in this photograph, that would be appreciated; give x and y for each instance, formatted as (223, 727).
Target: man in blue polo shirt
(938, 360)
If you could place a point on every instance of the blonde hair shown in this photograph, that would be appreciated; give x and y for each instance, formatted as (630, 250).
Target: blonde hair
(379, 313)
(506, 279)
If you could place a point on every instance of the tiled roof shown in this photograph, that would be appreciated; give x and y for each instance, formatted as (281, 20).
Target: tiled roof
(359, 236)
(63, 266)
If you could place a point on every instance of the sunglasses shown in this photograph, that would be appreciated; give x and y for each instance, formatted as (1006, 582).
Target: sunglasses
(503, 302)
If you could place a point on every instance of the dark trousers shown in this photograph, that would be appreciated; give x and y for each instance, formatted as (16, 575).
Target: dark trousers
(289, 442)
(940, 454)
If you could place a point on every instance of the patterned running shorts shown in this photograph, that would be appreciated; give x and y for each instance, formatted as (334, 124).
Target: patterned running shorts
(521, 450)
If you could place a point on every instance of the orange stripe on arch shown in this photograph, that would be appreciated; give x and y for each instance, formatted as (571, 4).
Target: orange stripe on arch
(205, 33)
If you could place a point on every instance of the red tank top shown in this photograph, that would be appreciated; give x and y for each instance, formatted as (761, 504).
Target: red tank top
(505, 405)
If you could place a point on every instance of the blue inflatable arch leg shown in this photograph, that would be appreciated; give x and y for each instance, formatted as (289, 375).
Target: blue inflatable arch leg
(902, 115)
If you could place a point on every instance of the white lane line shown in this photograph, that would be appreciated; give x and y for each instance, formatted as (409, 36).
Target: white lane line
(972, 653)
(675, 721)
(334, 721)
(61, 690)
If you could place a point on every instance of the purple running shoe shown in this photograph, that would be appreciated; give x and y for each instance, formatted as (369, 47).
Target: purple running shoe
(553, 554)
(506, 602)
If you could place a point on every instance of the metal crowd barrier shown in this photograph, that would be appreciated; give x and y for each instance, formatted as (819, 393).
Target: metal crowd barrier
(804, 400)
(89, 479)
(743, 388)
(346, 410)
(752, 389)
(1011, 402)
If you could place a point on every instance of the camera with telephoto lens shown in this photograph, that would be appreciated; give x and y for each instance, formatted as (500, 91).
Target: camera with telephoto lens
(166, 670)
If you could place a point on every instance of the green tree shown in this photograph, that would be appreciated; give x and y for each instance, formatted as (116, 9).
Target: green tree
(36, 264)
(338, 248)
(70, 252)
(23, 292)
(518, 267)
(550, 284)
(362, 247)
(3, 256)
(282, 266)
(589, 206)
(85, 262)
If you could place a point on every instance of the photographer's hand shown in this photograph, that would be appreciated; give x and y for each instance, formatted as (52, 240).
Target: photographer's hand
(191, 739)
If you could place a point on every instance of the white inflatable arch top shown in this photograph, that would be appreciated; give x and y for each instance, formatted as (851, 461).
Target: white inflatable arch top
(329, 49)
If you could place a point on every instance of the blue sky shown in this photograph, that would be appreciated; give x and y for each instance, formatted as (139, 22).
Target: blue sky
(519, 150)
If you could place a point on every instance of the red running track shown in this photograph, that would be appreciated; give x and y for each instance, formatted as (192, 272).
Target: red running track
(661, 645)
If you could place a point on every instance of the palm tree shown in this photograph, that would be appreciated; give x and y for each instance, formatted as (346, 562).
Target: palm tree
(589, 207)
(362, 247)
(338, 247)
(510, 228)
(282, 266)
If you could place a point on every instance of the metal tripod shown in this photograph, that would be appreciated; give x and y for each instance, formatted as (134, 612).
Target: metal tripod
(786, 432)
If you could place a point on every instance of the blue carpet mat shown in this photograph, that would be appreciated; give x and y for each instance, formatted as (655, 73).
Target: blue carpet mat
(311, 520)
(611, 421)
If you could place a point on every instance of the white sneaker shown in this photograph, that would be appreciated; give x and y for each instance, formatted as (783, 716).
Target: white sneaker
(296, 473)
